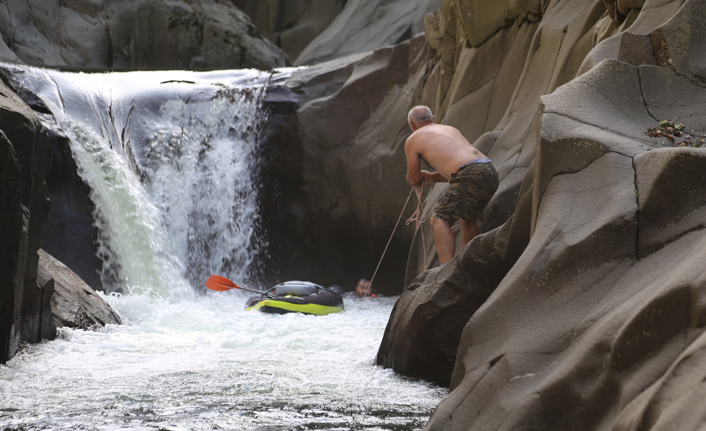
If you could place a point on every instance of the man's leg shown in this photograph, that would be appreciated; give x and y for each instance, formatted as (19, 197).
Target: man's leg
(469, 230)
(444, 239)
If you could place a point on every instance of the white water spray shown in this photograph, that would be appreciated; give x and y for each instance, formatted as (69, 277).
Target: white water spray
(132, 243)
(171, 159)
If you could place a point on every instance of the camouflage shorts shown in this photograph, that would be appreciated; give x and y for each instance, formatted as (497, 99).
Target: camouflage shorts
(470, 190)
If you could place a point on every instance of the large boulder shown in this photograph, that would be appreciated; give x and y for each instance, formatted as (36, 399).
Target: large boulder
(74, 304)
(123, 34)
(25, 313)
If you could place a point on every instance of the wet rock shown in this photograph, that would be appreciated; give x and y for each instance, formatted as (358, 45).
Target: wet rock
(74, 303)
(24, 162)
(149, 34)
(422, 335)
(69, 231)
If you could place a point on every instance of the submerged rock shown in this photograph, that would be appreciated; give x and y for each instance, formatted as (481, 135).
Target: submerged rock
(74, 303)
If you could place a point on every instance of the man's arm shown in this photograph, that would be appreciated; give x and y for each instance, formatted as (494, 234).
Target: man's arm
(414, 171)
(433, 177)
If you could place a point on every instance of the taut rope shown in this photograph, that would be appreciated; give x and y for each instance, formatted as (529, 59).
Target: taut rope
(417, 217)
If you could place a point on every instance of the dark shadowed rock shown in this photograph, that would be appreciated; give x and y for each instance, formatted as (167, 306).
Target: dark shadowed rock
(350, 146)
(74, 303)
(122, 34)
(24, 163)
(69, 231)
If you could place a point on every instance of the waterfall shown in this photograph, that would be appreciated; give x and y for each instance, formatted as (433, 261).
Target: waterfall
(172, 161)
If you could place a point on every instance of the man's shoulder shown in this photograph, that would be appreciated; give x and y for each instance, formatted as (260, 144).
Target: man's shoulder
(411, 141)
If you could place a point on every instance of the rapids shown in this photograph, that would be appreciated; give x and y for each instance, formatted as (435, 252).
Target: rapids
(171, 159)
(204, 364)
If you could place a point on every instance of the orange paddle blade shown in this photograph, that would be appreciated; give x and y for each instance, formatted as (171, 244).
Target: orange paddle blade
(220, 284)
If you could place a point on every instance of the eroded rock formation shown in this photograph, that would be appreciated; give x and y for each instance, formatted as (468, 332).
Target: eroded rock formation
(365, 25)
(579, 308)
(314, 31)
(181, 34)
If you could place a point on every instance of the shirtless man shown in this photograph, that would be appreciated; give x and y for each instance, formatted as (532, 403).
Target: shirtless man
(472, 177)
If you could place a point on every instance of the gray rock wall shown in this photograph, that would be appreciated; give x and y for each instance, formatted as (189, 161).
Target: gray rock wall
(291, 24)
(341, 157)
(579, 308)
(366, 25)
(123, 34)
(25, 309)
(314, 31)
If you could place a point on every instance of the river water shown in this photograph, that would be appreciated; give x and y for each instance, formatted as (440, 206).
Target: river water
(170, 159)
(206, 364)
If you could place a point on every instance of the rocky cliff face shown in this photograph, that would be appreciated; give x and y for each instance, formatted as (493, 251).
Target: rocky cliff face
(25, 303)
(579, 307)
(293, 24)
(150, 34)
(365, 25)
(314, 31)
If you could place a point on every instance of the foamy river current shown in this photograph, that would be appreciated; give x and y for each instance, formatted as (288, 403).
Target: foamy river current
(206, 364)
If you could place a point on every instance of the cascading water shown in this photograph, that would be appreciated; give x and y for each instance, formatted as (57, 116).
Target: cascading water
(172, 161)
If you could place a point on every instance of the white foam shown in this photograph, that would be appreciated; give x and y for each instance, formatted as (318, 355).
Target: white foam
(205, 362)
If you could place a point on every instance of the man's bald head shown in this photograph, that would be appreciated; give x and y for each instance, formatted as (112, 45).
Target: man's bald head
(419, 115)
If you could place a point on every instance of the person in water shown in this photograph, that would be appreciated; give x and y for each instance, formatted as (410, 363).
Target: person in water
(472, 177)
(363, 290)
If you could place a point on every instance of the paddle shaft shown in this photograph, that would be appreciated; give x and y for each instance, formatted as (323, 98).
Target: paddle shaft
(220, 284)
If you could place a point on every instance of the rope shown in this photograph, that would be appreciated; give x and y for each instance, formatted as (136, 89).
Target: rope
(418, 217)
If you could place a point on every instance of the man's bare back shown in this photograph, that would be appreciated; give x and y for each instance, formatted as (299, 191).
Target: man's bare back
(442, 147)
